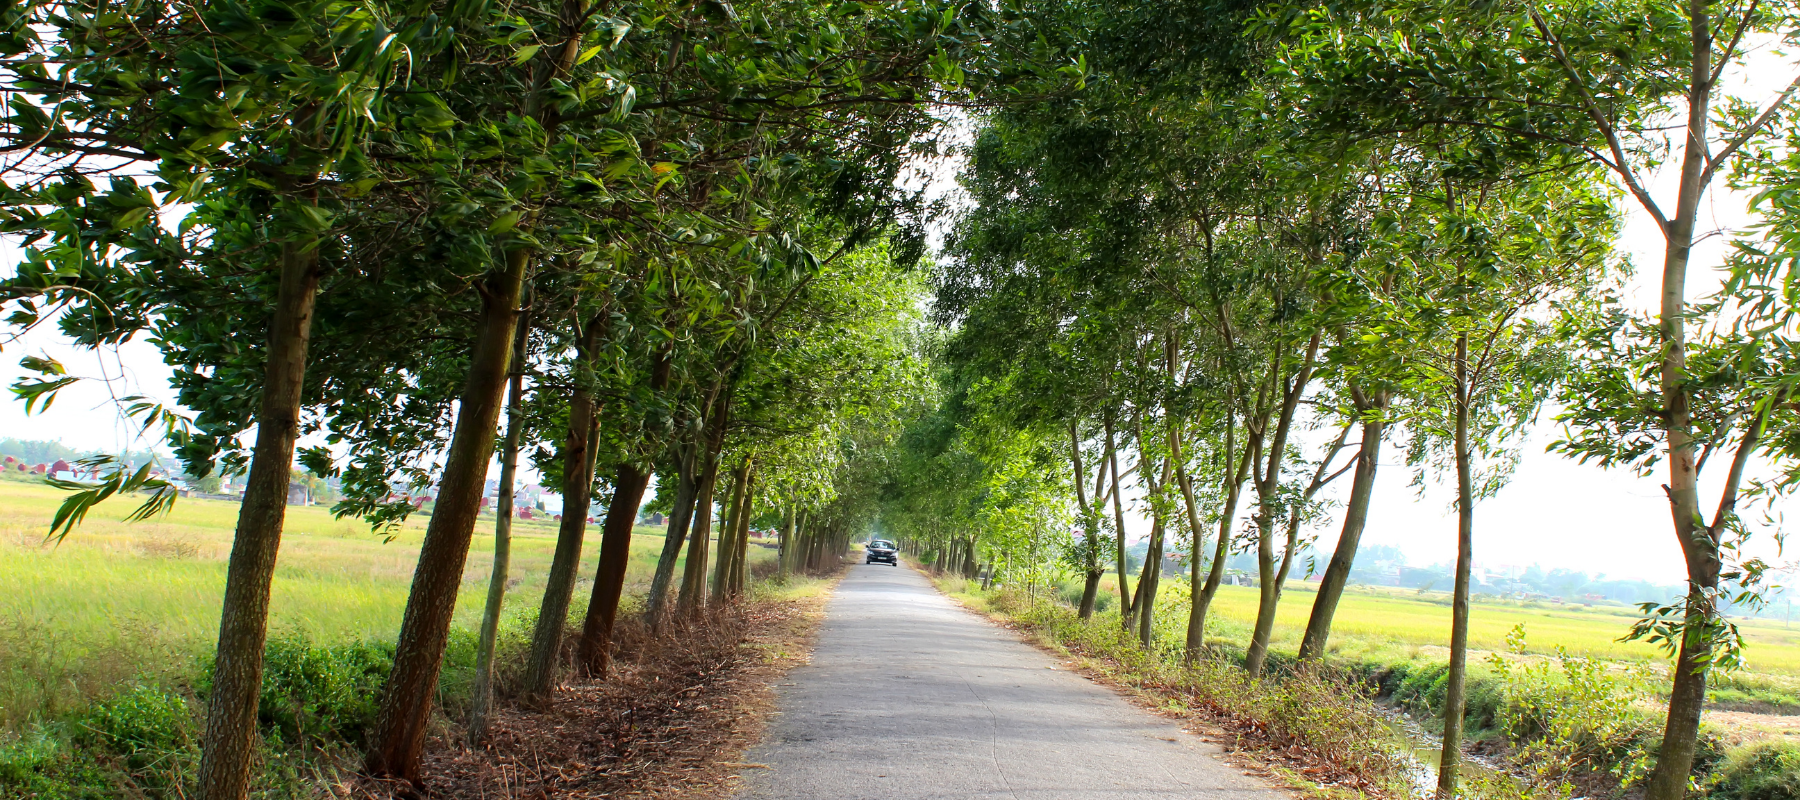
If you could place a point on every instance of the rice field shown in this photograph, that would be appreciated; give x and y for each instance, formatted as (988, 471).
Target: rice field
(121, 602)
(1379, 616)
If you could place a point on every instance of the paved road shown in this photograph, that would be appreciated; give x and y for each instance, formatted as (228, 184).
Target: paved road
(909, 696)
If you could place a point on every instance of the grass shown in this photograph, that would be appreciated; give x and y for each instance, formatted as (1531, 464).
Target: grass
(117, 603)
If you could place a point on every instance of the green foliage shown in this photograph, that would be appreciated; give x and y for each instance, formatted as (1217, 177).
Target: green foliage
(1768, 771)
(154, 731)
(316, 694)
(1572, 714)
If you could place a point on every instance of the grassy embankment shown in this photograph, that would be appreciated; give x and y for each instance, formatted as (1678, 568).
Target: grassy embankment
(1596, 711)
(114, 626)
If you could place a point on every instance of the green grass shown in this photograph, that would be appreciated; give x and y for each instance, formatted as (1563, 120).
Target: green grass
(117, 603)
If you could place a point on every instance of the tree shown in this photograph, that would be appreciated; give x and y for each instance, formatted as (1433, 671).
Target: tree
(1596, 83)
(1490, 257)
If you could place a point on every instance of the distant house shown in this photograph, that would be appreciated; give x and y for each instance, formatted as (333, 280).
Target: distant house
(299, 495)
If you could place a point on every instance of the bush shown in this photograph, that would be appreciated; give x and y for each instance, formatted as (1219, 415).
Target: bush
(141, 719)
(314, 694)
(1571, 716)
(39, 765)
(24, 758)
(1766, 771)
(152, 730)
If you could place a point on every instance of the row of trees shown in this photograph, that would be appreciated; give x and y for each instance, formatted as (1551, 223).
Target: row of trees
(1267, 239)
(643, 240)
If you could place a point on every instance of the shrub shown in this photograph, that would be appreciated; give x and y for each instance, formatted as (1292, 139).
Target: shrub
(1766, 771)
(39, 765)
(1571, 715)
(151, 729)
(23, 758)
(321, 694)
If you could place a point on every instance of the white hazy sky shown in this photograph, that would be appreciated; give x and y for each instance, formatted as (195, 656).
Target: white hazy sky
(1555, 512)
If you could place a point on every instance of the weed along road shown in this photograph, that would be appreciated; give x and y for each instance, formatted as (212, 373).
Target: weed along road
(910, 696)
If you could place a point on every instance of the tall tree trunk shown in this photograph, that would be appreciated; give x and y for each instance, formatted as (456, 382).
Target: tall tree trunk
(1202, 599)
(787, 541)
(406, 704)
(1112, 459)
(595, 651)
(1090, 528)
(578, 456)
(230, 740)
(1455, 682)
(1153, 555)
(687, 487)
(692, 599)
(1152, 577)
(481, 695)
(740, 558)
(1268, 487)
(1343, 558)
(1700, 549)
(721, 584)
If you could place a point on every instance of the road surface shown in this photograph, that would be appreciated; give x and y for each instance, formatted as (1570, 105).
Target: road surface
(910, 696)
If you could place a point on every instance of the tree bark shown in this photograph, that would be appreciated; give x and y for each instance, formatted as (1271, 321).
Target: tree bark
(595, 653)
(721, 582)
(1148, 583)
(692, 599)
(579, 455)
(481, 695)
(1151, 578)
(406, 704)
(1090, 529)
(1455, 682)
(228, 748)
(1202, 599)
(1268, 486)
(1112, 459)
(1343, 557)
(740, 559)
(687, 487)
(787, 541)
(1681, 732)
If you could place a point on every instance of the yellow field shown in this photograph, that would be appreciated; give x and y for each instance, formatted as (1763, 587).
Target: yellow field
(117, 602)
(1402, 616)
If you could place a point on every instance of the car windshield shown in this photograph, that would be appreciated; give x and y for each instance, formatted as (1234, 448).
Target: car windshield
(881, 543)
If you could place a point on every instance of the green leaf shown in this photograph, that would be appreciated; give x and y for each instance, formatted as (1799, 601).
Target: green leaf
(504, 223)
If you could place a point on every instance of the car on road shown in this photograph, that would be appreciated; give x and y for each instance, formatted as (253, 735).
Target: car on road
(881, 551)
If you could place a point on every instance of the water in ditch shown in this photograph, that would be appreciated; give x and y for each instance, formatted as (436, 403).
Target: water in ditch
(1426, 752)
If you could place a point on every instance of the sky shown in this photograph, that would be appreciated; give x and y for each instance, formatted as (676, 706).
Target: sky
(1554, 512)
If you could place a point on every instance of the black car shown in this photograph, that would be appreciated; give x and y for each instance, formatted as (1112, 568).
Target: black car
(882, 551)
